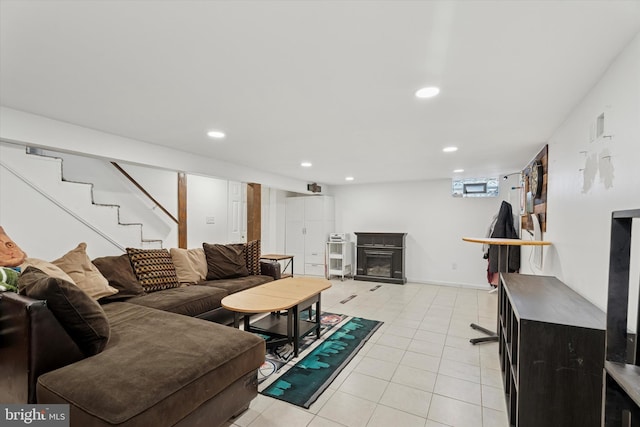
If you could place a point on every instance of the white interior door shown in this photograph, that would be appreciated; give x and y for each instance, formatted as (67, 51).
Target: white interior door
(237, 224)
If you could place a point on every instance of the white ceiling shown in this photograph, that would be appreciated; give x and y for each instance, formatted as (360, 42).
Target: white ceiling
(330, 82)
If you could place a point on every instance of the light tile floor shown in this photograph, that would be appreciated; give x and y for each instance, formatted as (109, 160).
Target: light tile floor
(418, 369)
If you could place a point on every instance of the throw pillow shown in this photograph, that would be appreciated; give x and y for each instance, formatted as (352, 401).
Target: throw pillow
(85, 275)
(154, 269)
(118, 271)
(10, 254)
(253, 257)
(191, 264)
(47, 267)
(225, 261)
(8, 279)
(81, 316)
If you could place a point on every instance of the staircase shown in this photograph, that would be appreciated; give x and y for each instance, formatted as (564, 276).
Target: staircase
(44, 174)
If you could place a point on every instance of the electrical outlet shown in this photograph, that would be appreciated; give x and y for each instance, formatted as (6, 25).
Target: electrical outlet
(210, 220)
(454, 266)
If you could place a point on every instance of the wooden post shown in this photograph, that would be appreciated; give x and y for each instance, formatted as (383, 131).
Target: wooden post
(182, 210)
(254, 211)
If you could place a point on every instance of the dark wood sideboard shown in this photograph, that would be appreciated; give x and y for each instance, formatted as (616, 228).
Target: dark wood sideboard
(551, 347)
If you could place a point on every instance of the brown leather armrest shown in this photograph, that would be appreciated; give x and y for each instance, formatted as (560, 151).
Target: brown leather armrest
(270, 268)
(32, 342)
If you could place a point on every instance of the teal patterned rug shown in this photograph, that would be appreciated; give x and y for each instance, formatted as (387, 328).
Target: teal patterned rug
(302, 380)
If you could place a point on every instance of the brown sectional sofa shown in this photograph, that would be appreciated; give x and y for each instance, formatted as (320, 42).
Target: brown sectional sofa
(167, 362)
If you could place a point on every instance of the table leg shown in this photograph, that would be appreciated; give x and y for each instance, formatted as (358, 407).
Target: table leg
(492, 336)
(296, 330)
(236, 319)
(247, 323)
(317, 317)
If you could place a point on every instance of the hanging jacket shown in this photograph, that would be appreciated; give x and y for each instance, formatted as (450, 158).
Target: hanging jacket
(504, 229)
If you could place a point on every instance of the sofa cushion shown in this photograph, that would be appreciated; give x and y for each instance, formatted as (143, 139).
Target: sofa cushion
(80, 316)
(78, 266)
(187, 300)
(118, 271)
(154, 268)
(252, 256)
(238, 284)
(225, 261)
(158, 366)
(191, 264)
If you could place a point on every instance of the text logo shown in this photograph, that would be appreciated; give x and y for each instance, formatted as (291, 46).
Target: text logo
(34, 415)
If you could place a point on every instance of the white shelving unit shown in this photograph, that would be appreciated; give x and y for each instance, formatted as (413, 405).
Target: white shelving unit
(339, 259)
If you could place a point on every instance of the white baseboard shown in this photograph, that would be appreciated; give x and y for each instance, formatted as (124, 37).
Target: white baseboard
(453, 284)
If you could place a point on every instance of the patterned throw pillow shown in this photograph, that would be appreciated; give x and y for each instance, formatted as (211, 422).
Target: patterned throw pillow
(154, 269)
(252, 254)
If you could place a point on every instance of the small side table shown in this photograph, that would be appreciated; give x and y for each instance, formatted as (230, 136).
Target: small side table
(278, 258)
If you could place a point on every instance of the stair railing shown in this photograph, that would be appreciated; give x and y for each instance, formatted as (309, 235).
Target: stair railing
(141, 188)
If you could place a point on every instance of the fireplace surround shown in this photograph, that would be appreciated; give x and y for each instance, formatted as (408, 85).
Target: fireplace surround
(380, 257)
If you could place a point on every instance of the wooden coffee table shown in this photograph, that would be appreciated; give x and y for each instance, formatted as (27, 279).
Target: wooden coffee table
(293, 294)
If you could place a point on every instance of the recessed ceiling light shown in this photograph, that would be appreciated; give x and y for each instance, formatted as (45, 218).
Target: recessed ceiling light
(305, 164)
(349, 178)
(450, 149)
(458, 170)
(427, 92)
(215, 134)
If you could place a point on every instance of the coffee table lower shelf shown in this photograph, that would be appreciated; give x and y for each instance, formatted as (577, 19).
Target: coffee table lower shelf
(277, 327)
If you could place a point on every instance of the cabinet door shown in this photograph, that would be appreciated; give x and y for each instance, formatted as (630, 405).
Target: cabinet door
(314, 208)
(315, 241)
(295, 209)
(294, 233)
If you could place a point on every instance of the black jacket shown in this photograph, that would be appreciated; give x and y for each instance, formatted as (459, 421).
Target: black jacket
(504, 229)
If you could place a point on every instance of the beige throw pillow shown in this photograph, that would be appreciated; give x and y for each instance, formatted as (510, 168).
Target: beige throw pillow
(85, 275)
(191, 264)
(46, 267)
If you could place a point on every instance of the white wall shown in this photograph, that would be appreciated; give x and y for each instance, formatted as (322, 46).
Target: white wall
(112, 187)
(206, 197)
(579, 214)
(434, 221)
(45, 230)
(39, 225)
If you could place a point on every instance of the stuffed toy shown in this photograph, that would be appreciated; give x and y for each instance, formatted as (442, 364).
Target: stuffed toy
(8, 279)
(10, 254)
